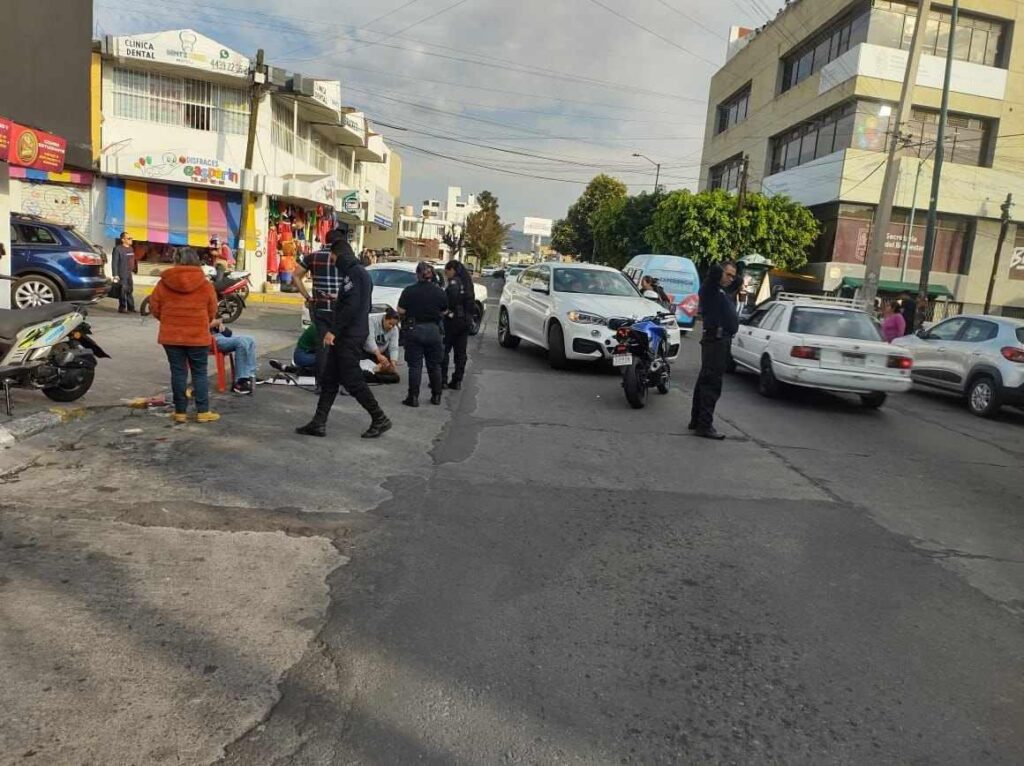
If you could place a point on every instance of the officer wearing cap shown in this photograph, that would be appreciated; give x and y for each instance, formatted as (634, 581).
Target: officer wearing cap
(345, 340)
(321, 266)
(422, 306)
(721, 321)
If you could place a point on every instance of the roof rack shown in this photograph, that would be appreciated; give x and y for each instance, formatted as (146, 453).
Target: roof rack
(831, 300)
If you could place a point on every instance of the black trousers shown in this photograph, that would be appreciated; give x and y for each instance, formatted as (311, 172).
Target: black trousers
(324, 321)
(126, 302)
(456, 338)
(714, 357)
(423, 344)
(343, 370)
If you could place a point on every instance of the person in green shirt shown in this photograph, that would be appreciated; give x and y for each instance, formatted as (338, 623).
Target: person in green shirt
(304, 356)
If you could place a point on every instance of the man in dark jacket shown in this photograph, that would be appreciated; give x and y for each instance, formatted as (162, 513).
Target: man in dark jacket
(721, 321)
(122, 262)
(345, 341)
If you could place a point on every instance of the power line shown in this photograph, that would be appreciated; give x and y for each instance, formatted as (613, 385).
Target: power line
(391, 35)
(660, 36)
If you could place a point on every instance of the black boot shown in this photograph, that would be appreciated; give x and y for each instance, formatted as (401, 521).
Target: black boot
(318, 425)
(378, 426)
(435, 398)
(412, 400)
(455, 385)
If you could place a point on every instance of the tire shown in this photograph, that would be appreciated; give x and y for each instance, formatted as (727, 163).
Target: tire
(33, 291)
(874, 400)
(983, 397)
(634, 383)
(72, 393)
(477, 320)
(144, 307)
(505, 337)
(230, 308)
(556, 347)
(768, 385)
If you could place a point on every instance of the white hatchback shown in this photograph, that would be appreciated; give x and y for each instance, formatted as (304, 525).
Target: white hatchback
(816, 343)
(565, 308)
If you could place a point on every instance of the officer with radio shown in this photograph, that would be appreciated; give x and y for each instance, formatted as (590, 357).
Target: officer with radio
(422, 306)
(721, 321)
(461, 305)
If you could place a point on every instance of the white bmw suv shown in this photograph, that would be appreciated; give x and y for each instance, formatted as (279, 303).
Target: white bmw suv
(565, 309)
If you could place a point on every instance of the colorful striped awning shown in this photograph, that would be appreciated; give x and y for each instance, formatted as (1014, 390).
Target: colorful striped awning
(78, 177)
(175, 215)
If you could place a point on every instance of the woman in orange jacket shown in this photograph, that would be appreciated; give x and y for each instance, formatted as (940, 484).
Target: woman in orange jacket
(186, 304)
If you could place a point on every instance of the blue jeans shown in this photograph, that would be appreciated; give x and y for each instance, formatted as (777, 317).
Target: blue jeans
(244, 349)
(304, 359)
(181, 359)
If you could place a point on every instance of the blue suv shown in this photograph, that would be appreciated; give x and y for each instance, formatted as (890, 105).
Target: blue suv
(52, 262)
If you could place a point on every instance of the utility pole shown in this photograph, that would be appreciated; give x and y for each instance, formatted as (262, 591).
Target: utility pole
(940, 151)
(883, 215)
(1003, 227)
(657, 169)
(259, 78)
(910, 224)
(741, 203)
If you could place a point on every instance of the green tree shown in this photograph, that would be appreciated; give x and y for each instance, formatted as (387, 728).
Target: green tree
(620, 227)
(706, 228)
(573, 235)
(484, 232)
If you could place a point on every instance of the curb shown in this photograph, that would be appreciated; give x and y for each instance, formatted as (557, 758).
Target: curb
(272, 299)
(31, 425)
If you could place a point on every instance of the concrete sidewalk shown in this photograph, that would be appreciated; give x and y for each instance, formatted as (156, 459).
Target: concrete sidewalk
(138, 367)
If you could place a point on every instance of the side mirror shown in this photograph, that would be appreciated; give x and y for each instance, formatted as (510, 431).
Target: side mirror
(922, 334)
(651, 294)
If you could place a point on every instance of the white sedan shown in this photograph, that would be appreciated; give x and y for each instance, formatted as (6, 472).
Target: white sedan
(800, 341)
(390, 279)
(565, 309)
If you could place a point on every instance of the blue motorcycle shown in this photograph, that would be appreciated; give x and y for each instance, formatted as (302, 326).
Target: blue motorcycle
(642, 354)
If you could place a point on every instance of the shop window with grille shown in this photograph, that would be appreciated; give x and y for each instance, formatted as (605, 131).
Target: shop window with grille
(179, 101)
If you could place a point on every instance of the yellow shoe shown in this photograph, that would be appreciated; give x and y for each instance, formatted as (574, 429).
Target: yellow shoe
(207, 417)
(179, 418)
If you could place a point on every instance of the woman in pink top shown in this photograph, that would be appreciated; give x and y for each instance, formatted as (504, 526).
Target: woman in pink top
(893, 324)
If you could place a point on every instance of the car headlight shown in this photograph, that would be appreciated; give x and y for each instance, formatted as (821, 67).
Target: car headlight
(669, 321)
(582, 317)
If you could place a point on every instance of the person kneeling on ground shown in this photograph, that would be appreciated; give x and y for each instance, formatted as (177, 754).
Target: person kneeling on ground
(382, 347)
(246, 359)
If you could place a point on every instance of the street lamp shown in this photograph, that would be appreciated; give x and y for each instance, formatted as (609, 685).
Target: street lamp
(657, 171)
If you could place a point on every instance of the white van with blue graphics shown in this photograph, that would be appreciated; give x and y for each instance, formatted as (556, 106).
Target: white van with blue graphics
(678, 278)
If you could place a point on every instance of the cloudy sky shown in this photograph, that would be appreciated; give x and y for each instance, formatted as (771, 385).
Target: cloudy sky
(528, 99)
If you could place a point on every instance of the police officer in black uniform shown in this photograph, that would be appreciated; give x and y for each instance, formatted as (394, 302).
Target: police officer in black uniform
(344, 341)
(422, 307)
(461, 304)
(721, 321)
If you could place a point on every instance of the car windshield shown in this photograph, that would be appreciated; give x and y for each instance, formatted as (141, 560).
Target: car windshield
(833, 323)
(593, 282)
(392, 277)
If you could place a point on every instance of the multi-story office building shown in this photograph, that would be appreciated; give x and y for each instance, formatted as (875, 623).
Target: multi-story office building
(809, 100)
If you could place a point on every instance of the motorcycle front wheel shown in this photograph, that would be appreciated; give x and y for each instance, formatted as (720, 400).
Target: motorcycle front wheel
(73, 387)
(230, 308)
(634, 383)
(144, 307)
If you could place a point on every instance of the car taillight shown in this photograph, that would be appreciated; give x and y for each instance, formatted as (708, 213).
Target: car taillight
(805, 352)
(1012, 354)
(620, 349)
(86, 258)
(900, 362)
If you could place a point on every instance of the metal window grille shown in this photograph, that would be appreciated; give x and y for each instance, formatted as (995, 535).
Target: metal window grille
(179, 101)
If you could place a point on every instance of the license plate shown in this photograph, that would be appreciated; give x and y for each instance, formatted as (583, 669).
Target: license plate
(622, 360)
(854, 360)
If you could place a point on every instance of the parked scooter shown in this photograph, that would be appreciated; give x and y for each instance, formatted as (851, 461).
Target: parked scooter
(642, 353)
(47, 348)
(232, 290)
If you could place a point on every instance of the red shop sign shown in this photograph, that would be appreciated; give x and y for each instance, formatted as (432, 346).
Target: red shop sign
(31, 148)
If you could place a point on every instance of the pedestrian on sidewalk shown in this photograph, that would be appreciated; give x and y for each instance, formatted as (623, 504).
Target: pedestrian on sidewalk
(185, 303)
(422, 307)
(122, 264)
(345, 342)
(461, 305)
(721, 321)
(893, 324)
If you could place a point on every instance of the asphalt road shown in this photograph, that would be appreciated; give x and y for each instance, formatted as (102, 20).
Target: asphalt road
(539, 574)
